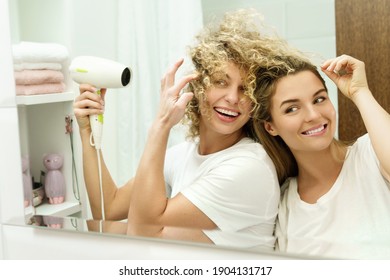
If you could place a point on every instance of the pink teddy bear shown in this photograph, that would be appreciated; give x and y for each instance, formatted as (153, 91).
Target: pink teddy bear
(55, 188)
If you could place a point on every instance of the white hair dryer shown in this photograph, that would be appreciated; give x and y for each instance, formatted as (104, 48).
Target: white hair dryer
(101, 73)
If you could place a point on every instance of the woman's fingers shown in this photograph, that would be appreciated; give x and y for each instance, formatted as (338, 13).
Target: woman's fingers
(340, 65)
(183, 82)
(347, 72)
(88, 102)
(172, 101)
(184, 99)
(88, 105)
(168, 85)
(169, 78)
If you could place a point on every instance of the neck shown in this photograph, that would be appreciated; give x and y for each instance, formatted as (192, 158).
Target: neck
(317, 172)
(212, 142)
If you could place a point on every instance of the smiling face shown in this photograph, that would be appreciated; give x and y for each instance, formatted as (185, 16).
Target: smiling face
(302, 113)
(226, 109)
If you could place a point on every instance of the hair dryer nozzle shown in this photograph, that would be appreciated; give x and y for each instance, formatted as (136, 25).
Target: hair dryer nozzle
(126, 77)
(99, 72)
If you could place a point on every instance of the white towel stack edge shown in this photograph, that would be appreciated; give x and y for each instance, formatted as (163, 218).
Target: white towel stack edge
(38, 67)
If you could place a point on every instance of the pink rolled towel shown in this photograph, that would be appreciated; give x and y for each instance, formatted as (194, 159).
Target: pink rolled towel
(40, 89)
(36, 77)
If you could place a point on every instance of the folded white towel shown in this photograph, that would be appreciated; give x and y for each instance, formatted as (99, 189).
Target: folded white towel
(39, 52)
(37, 66)
(36, 77)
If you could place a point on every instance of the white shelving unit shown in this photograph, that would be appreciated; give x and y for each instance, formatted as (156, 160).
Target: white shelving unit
(44, 98)
(42, 131)
(66, 208)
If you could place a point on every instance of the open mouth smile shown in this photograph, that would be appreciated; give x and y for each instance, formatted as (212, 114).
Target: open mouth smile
(315, 131)
(226, 113)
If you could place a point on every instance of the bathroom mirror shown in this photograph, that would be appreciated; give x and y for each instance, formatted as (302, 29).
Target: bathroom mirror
(147, 36)
(112, 228)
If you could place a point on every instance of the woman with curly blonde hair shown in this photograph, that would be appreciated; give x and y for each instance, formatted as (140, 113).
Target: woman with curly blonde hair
(221, 181)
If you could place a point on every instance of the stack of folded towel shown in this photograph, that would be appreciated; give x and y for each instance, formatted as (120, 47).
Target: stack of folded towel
(38, 67)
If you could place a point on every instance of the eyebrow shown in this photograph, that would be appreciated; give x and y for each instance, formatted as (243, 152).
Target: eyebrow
(221, 74)
(296, 100)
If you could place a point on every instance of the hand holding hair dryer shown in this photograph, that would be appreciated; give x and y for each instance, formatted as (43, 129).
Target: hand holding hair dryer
(101, 73)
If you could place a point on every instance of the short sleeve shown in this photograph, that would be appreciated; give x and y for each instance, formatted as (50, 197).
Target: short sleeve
(239, 192)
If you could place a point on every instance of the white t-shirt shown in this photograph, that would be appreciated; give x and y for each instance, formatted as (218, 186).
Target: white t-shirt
(352, 220)
(237, 188)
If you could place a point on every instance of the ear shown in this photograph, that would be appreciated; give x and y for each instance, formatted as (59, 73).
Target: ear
(268, 126)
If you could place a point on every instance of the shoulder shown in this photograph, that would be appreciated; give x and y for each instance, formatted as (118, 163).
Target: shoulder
(247, 157)
(247, 149)
(362, 150)
(362, 159)
(363, 141)
(177, 154)
(285, 186)
(288, 185)
(179, 149)
(287, 191)
(248, 162)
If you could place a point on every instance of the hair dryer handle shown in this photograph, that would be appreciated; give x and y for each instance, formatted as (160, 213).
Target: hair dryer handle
(96, 122)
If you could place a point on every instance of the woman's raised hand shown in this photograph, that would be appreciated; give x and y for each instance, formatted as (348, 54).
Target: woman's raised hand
(347, 73)
(172, 101)
(88, 103)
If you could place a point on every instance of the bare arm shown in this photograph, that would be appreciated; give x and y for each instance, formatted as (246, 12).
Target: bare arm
(116, 201)
(149, 204)
(353, 84)
(172, 233)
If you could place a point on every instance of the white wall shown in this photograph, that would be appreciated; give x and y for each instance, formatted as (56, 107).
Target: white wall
(306, 23)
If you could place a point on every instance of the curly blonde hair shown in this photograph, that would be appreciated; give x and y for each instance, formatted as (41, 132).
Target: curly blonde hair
(241, 38)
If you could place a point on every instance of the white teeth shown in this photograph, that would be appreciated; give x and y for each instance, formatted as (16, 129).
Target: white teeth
(226, 112)
(311, 132)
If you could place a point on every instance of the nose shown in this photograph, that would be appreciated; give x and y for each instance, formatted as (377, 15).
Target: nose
(232, 95)
(311, 113)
